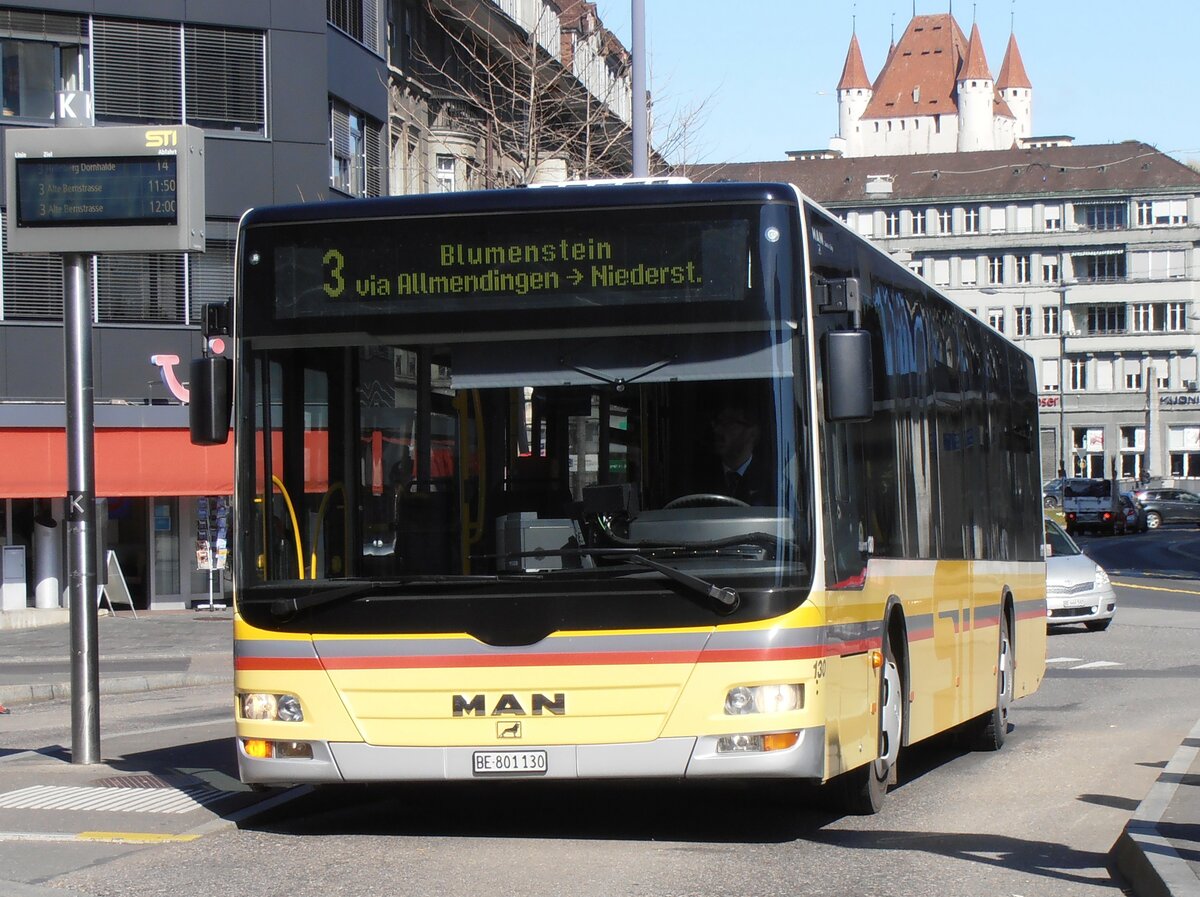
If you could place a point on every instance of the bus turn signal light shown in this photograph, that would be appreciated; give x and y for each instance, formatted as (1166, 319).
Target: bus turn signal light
(258, 748)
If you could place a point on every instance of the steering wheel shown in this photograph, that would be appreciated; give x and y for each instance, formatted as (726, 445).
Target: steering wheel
(704, 500)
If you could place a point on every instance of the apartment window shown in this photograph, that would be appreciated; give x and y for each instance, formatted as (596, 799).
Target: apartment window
(1049, 269)
(1024, 219)
(1050, 372)
(1050, 320)
(40, 53)
(1052, 218)
(995, 317)
(941, 272)
(1023, 321)
(151, 72)
(1021, 268)
(356, 151)
(1099, 266)
(995, 266)
(1162, 213)
(31, 285)
(357, 18)
(891, 223)
(1077, 373)
(1133, 379)
(917, 268)
(865, 224)
(445, 174)
(997, 221)
(1143, 317)
(918, 223)
(1176, 316)
(968, 272)
(1102, 216)
(1133, 448)
(1104, 319)
(1162, 375)
(971, 221)
(945, 219)
(1087, 445)
(1183, 447)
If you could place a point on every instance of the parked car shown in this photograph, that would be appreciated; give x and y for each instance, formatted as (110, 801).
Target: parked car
(1169, 506)
(1052, 493)
(1078, 589)
(1135, 513)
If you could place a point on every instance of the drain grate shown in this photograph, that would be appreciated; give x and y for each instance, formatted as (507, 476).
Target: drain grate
(122, 799)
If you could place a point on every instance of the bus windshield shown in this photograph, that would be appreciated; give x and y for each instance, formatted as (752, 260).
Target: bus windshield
(564, 457)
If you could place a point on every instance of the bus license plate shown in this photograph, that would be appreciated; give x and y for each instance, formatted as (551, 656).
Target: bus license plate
(509, 763)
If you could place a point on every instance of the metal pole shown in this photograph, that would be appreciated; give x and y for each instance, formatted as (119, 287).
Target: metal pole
(1062, 384)
(641, 112)
(81, 512)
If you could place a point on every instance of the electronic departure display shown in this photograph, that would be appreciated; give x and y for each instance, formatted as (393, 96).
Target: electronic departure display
(99, 191)
(550, 260)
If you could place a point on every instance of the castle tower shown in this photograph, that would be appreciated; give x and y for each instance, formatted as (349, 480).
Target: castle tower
(854, 93)
(1015, 89)
(976, 99)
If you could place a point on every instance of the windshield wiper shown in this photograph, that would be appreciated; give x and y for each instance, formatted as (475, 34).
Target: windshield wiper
(727, 599)
(283, 607)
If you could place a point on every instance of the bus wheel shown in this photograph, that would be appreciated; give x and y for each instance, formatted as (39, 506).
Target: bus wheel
(990, 729)
(862, 789)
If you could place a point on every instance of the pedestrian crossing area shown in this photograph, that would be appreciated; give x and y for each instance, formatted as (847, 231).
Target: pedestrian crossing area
(110, 799)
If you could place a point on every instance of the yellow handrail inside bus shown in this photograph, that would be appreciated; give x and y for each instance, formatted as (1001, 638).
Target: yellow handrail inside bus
(472, 529)
(287, 500)
(321, 519)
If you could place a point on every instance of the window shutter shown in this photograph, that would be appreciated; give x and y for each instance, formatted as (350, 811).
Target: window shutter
(31, 286)
(376, 154)
(210, 273)
(224, 78)
(42, 26)
(137, 71)
(140, 287)
(340, 119)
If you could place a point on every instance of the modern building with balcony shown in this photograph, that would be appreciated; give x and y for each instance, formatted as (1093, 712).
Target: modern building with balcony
(1086, 256)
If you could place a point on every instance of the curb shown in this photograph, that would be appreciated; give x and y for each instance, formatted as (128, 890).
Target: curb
(15, 695)
(1142, 854)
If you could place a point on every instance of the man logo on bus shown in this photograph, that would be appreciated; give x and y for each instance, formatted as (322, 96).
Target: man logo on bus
(509, 705)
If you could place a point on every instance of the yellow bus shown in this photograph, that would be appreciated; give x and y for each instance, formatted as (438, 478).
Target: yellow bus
(634, 480)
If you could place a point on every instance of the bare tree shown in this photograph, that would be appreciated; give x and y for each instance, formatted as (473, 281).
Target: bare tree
(506, 90)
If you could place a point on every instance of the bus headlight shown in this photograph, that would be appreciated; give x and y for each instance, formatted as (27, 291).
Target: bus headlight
(277, 708)
(764, 699)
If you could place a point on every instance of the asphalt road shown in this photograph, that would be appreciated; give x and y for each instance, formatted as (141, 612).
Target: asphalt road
(1037, 818)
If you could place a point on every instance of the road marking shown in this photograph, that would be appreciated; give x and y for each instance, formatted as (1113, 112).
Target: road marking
(1129, 585)
(118, 800)
(133, 837)
(1063, 659)
(1097, 664)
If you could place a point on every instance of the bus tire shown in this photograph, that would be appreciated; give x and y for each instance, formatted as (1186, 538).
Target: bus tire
(990, 729)
(861, 791)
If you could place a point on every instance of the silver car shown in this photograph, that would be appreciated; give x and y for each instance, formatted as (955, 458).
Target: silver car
(1077, 588)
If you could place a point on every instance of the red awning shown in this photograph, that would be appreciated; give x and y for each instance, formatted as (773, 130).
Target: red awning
(129, 462)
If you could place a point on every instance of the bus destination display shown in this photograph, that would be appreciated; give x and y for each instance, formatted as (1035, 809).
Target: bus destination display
(99, 190)
(408, 265)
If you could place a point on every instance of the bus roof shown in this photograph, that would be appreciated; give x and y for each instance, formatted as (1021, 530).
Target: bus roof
(520, 199)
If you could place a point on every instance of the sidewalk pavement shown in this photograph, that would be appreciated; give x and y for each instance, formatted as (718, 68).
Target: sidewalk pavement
(1158, 853)
(158, 649)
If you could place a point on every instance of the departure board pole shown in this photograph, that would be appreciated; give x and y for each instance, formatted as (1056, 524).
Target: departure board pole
(81, 513)
(641, 112)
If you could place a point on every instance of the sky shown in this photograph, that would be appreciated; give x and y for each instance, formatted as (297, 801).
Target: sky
(757, 78)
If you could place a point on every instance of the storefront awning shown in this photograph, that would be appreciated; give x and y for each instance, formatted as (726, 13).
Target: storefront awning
(129, 462)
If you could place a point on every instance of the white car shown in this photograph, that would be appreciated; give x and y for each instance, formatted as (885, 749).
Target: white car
(1077, 588)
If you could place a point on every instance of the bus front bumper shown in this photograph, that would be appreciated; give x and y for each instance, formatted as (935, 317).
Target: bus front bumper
(674, 758)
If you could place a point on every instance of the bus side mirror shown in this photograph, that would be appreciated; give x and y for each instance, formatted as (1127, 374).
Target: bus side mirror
(849, 380)
(209, 405)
